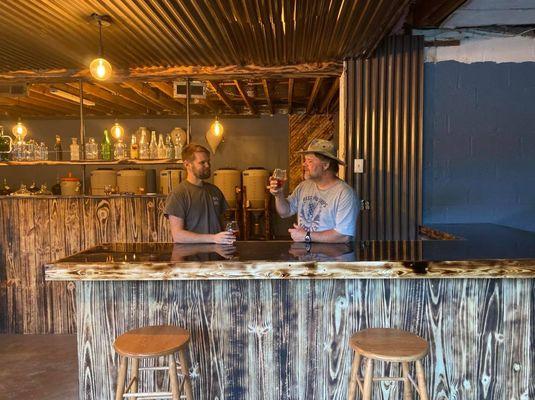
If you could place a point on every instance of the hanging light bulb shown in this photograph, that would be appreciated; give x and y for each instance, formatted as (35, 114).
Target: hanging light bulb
(214, 135)
(117, 131)
(100, 68)
(19, 131)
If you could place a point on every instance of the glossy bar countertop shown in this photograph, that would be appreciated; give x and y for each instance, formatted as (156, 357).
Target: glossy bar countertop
(478, 251)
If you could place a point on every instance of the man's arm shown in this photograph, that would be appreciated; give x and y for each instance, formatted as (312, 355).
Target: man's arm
(181, 235)
(281, 204)
(328, 236)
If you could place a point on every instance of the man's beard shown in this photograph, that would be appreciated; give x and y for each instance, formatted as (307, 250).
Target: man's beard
(200, 174)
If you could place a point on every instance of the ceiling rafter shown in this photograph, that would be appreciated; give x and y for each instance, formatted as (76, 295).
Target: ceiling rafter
(313, 94)
(328, 97)
(244, 96)
(265, 85)
(147, 92)
(290, 94)
(223, 96)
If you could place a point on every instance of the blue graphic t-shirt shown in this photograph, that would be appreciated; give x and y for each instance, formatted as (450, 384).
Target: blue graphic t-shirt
(321, 210)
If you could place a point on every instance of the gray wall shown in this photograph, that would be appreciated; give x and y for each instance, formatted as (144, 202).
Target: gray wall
(248, 142)
(479, 143)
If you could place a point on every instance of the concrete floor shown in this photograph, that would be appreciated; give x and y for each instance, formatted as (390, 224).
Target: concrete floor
(43, 367)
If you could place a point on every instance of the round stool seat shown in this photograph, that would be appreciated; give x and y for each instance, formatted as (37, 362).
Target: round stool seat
(389, 345)
(151, 341)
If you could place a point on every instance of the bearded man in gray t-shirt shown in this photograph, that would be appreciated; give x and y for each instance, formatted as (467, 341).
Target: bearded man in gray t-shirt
(326, 206)
(195, 208)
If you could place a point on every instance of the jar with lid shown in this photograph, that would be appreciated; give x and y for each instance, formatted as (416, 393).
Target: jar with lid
(70, 185)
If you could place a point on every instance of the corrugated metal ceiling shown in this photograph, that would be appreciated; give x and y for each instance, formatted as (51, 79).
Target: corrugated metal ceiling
(55, 34)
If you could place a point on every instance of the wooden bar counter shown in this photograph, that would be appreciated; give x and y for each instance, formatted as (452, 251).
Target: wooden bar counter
(272, 320)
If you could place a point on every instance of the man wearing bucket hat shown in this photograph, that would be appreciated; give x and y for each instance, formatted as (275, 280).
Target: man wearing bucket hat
(325, 205)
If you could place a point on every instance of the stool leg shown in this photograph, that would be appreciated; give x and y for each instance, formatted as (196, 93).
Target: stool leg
(354, 377)
(422, 390)
(173, 377)
(407, 385)
(120, 378)
(184, 365)
(368, 380)
(135, 375)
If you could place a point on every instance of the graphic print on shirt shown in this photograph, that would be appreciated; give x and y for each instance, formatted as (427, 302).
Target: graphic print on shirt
(310, 212)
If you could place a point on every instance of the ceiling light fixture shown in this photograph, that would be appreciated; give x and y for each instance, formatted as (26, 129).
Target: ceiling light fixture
(100, 68)
(70, 96)
(214, 135)
(19, 131)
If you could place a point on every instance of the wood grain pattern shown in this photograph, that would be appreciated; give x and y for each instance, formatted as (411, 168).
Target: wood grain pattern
(34, 232)
(290, 339)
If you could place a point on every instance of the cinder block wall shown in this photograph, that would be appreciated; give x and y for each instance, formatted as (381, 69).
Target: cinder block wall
(479, 143)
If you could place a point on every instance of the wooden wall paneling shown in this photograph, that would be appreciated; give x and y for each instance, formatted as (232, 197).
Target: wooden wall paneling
(42, 255)
(300, 330)
(163, 232)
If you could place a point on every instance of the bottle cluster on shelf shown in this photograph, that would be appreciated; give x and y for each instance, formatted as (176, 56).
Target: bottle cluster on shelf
(139, 149)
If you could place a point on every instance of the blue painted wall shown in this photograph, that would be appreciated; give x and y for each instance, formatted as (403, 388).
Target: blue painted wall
(479, 143)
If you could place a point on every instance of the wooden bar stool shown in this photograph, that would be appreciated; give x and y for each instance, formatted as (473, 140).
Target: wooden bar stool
(150, 342)
(391, 345)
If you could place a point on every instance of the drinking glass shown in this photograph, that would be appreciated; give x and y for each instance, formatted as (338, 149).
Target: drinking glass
(280, 176)
(234, 228)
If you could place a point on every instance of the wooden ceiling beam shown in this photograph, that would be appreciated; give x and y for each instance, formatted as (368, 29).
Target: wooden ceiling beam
(314, 94)
(130, 95)
(268, 96)
(106, 96)
(167, 89)
(320, 69)
(101, 105)
(223, 96)
(332, 91)
(152, 96)
(244, 96)
(290, 94)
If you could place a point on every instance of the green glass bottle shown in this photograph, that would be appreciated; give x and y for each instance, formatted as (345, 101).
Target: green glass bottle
(106, 146)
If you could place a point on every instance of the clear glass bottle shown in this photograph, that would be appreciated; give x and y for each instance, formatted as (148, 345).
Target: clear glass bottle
(44, 151)
(119, 150)
(106, 146)
(169, 148)
(37, 152)
(144, 153)
(178, 147)
(153, 146)
(162, 151)
(91, 149)
(58, 151)
(75, 150)
(134, 148)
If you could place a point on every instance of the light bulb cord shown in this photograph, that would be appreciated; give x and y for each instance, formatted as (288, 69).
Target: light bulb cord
(101, 47)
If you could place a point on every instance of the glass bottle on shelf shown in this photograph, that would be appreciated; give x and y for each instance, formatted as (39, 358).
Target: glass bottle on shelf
(56, 188)
(169, 148)
(44, 151)
(29, 151)
(153, 146)
(134, 148)
(75, 150)
(162, 151)
(119, 150)
(37, 155)
(144, 153)
(106, 146)
(58, 151)
(91, 149)
(178, 148)
(5, 190)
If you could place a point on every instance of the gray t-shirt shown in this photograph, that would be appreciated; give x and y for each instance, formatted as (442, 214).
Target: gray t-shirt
(320, 210)
(199, 206)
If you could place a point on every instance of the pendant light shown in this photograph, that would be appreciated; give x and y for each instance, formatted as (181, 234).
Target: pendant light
(117, 131)
(214, 135)
(19, 131)
(100, 68)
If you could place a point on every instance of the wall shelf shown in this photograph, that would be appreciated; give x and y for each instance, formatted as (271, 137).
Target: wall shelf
(92, 162)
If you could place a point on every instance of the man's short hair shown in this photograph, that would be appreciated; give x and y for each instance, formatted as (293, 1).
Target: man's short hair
(333, 164)
(188, 152)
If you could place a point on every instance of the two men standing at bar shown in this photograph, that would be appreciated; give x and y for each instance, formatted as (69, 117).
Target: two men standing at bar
(326, 206)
